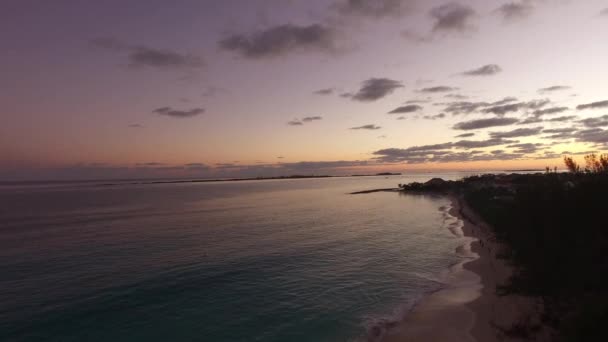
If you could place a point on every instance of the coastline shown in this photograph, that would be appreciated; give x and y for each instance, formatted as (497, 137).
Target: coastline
(468, 308)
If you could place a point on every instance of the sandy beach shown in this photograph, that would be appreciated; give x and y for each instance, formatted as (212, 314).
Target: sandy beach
(468, 308)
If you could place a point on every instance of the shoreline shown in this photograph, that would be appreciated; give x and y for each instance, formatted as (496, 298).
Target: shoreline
(468, 308)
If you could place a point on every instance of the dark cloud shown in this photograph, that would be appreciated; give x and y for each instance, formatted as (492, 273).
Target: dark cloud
(375, 8)
(520, 132)
(503, 109)
(143, 56)
(438, 89)
(442, 153)
(515, 10)
(135, 126)
(593, 105)
(406, 109)
(148, 57)
(312, 118)
(604, 12)
(486, 70)
(592, 135)
(456, 96)
(464, 107)
(368, 127)
(298, 122)
(175, 113)
(417, 101)
(552, 110)
(452, 16)
(326, 91)
(526, 148)
(601, 121)
(562, 118)
(280, 40)
(467, 107)
(553, 89)
(559, 133)
(505, 100)
(484, 123)
(465, 135)
(515, 107)
(531, 120)
(468, 144)
(434, 117)
(376, 88)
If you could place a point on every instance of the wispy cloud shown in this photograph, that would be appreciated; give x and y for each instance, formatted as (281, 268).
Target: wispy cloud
(553, 89)
(406, 109)
(452, 16)
(438, 89)
(366, 127)
(484, 123)
(376, 88)
(180, 114)
(593, 105)
(515, 10)
(280, 40)
(140, 56)
(486, 70)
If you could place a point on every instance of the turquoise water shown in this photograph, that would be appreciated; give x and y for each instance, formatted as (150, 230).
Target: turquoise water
(279, 260)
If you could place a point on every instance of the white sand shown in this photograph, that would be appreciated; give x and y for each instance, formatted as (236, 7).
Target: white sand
(468, 309)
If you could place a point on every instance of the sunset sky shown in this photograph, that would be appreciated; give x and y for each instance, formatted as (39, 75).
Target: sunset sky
(235, 88)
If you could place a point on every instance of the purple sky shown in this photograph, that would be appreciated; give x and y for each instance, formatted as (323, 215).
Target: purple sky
(106, 89)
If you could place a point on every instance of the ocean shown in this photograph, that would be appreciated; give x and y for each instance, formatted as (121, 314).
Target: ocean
(267, 260)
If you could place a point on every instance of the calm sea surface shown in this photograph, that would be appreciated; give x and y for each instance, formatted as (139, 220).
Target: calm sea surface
(276, 260)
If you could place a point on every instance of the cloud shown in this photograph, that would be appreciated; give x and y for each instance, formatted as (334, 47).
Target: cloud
(452, 16)
(520, 132)
(526, 148)
(438, 89)
(593, 105)
(592, 135)
(443, 153)
(484, 123)
(468, 144)
(406, 109)
(553, 89)
(604, 12)
(311, 118)
(503, 109)
(465, 135)
(486, 70)
(180, 114)
(515, 107)
(515, 10)
(213, 91)
(434, 117)
(298, 122)
(368, 127)
(375, 8)
(415, 101)
(279, 40)
(325, 91)
(552, 110)
(376, 88)
(559, 133)
(601, 121)
(456, 96)
(135, 126)
(140, 56)
(562, 118)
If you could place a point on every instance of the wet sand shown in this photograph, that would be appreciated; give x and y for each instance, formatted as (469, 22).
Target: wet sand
(468, 308)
